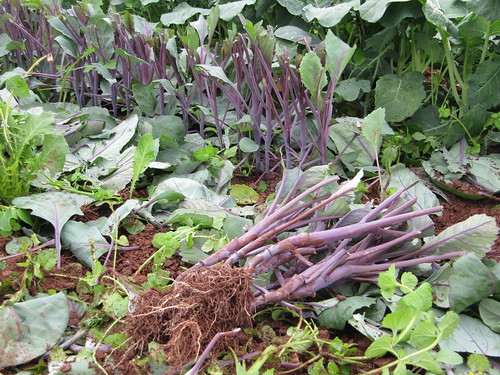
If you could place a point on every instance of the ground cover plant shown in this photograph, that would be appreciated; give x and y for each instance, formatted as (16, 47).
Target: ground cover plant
(249, 187)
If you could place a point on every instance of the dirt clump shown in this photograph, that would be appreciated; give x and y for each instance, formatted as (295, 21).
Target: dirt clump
(184, 318)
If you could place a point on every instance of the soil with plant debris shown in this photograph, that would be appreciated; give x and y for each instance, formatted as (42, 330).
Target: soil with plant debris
(160, 317)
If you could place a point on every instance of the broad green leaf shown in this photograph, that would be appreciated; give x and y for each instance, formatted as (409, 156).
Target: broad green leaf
(145, 97)
(473, 336)
(191, 189)
(399, 319)
(29, 329)
(423, 335)
(489, 9)
(57, 208)
(295, 34)
(373, 10)
(420, 298)
(373, 127)
(335, 317)
(293, 6)
(436, 15)
(476, 235)
(215, 71)
(470, 283)
(119, 136)
(448, 324)
(449, 357)
(338, 54)
(4, 44)
(80, 237)
(349, 89)
(379, 347)
(244, 194)
(312, 73)
(36, 125)
(248, 145)
(236, 226)
(478, 362)
(428, 362)
(484, 84)
(230, 10)
(181, 13)
(53, 153)
(18, 86)
(489, 309)
(401, 176)
(400, 97)
(67, 45)
(329, 16)
(119, 171)
(145, 153)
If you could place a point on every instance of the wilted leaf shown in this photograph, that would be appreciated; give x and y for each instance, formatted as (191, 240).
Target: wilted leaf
(335, 317)
(29, 329)
(80, 237)
(476, 234)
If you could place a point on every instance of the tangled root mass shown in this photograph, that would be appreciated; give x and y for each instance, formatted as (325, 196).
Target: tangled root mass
(184, 318)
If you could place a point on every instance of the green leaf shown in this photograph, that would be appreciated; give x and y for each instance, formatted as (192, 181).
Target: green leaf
(373, 10)
(205, 154)
(387, 282)
(489, 9)
(18, 86)
(400, 97)
(349, 89)
(489, 309)
(181, 13)
(470, 283)
(338, 54)
(79, 237)
(312, 73)
(401, 176)
(292, 6)
(335, 317)
(248, 145)
(448, 324)
(36, 125)
(230, 10)
(420, 298)
(244, 194)
(423, 335)
(484, 84)
(476, 235)
(4, 44)
(399, 319)
(57, 208)
(145, 153)
(478, 362)
(217, 72)
(409, 280)
(428, 362)
(145, 97)
(53, 153)
(473, 336)
(379, 347)
(449, 357)
(329, 16)
(373, 127)
(29, 329)
(115, 140)
(295, 34)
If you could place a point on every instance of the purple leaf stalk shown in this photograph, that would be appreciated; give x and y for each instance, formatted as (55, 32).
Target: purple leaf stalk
(351, 247)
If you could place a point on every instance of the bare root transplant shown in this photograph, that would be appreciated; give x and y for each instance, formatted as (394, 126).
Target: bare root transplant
(185, 318)
(334, 248)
